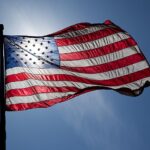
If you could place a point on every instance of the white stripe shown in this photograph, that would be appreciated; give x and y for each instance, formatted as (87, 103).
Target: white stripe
(101, 59)
(94, 44)
(36, 98)
(84, 31)
(33, 82)
(97, 76)
(41, 97)
(33, 71)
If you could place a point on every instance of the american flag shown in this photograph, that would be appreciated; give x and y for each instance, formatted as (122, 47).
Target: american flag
(43, 71)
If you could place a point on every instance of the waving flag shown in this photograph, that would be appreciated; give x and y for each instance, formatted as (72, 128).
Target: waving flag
(43, 71)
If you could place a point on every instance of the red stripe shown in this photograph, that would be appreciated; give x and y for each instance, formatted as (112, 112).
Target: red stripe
(107, 66)
(98, 51)
(39, 89)
(44, 104)
(81, 26)
(41, 104)
(88, 37)
(75, 27)
(59, 77)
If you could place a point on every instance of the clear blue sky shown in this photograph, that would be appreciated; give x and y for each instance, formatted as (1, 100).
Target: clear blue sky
(100, 120)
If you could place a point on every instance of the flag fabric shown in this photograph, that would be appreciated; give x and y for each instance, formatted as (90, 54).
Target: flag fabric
(43, 71)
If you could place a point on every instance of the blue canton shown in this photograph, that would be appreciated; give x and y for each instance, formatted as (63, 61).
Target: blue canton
(34, 52)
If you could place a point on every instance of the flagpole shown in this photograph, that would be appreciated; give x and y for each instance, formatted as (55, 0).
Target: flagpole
(2, 93)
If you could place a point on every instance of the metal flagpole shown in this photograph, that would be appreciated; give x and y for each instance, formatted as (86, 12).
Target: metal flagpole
(2, 93)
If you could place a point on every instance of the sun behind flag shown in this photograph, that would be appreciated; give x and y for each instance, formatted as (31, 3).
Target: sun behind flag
(43, 71)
